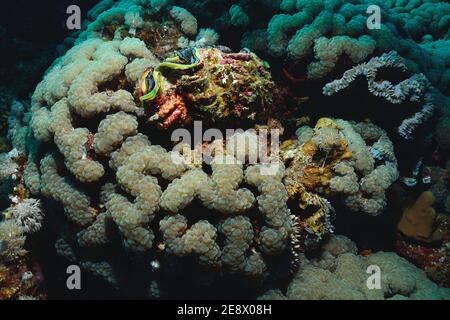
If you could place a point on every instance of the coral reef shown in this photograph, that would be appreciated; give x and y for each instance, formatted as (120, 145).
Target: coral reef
(12, 241)
(330, 30)
(339, 273)
(102, 148)
(247, 242)
(424, 241)
(216, 85)
(28, 215)
(412, 89)
(99, 81)
(418, 221)
(355, 161)
(23, 217)
(7, 164)
(18, 282)
(433, 259)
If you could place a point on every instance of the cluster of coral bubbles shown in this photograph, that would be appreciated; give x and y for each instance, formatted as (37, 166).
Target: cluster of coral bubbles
(100, 152)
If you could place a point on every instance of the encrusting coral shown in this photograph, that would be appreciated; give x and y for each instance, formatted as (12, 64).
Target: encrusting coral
(432, 258)
(214, 84)
(418, 220)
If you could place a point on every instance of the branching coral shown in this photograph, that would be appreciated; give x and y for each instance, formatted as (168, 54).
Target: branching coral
(411, 89)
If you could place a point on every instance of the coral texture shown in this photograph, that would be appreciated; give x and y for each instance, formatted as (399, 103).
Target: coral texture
(413, 89)
(220, 86)
(12, 241)
(418, 221)
(341, 274)
(28, 215)
(137, 205)
(353, 160)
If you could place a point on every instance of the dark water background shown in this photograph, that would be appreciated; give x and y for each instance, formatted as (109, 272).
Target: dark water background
(30, 32)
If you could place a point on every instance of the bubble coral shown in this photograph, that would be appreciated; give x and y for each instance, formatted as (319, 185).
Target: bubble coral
(98, 165)
(336, 30)
(339, 273)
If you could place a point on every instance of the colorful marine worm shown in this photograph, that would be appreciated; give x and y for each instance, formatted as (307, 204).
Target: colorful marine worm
(150, 82)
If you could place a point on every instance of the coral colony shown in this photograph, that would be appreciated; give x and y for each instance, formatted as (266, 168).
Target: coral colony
(207, 146)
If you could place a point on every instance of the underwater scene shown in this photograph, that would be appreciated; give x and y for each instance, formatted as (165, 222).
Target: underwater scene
(225, 150)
